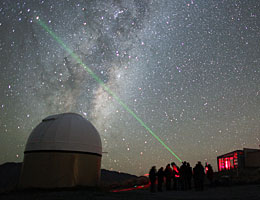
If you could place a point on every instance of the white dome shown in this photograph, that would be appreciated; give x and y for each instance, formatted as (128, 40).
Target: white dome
(65, 132)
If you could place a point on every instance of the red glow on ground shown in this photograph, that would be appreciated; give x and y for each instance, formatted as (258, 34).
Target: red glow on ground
(133, 188)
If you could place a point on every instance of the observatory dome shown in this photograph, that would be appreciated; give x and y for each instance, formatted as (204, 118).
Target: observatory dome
(64, 150)
(65, 132)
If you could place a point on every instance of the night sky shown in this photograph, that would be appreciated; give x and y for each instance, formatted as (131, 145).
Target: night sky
(189, 69)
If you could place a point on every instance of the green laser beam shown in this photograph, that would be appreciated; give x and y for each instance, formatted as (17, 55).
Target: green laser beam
(78, 60)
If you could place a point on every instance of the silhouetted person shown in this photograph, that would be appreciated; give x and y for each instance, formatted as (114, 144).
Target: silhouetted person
(183, 176)
(160, 179)
(175, 175)
(189, 175)
(168, 176)
(199, 176)
(152, 177)
(210, 174)
(195, 177)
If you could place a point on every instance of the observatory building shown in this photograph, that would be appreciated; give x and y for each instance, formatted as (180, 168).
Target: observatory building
(239, 159)
(64, 150)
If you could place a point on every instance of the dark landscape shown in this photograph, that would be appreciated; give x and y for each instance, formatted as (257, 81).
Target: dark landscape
(112, 181)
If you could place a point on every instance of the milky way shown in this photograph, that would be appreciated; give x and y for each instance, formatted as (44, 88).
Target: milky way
(189, 69)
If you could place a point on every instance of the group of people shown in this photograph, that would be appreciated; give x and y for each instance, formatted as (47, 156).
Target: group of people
(179, 178)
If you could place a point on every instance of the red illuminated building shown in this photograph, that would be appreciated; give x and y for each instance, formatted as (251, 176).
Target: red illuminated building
(240, 159)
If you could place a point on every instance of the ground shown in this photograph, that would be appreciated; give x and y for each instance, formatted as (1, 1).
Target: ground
(247, 192)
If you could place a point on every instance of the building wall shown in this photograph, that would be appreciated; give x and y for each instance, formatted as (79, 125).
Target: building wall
(246, 158)
(252, 159)
(59, 170)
